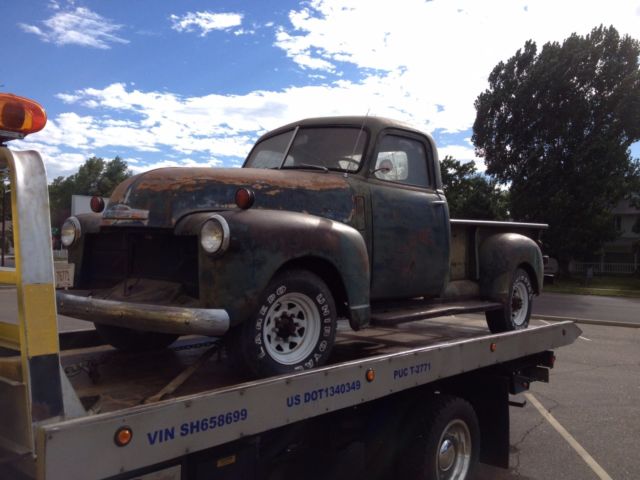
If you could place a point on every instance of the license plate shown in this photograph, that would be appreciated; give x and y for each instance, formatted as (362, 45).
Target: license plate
(64, 274)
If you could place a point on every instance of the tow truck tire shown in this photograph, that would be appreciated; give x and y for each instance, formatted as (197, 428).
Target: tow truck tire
(517, 311)
(448, 447)
(294, 327)
(129, 340)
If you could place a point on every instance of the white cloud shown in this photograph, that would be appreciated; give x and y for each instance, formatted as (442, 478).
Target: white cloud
(206, 22)
(187, 162)
(420, 62)
(58, 161)
(212, 126)
(77, 27)
(462, 153)
(437, 53)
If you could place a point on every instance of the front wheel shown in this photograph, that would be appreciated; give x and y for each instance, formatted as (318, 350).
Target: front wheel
(516, 312)
(293, 329)
(448, 447)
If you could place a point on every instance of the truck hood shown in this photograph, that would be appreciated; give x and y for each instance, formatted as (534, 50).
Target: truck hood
(159, 198)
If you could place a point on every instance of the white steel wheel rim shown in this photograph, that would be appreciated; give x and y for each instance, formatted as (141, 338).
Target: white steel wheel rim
(519, 304)
(454, 451)
(291, 328)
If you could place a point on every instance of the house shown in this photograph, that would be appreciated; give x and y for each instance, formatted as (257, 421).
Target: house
(624, 249)
(622, 255)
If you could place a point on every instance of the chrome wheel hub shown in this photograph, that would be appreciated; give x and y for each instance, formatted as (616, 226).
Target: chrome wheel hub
(454, 452)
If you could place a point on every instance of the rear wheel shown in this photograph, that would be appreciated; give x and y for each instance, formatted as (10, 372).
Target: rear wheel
(293, 329)
(449, 445)
(129, 340)
(516, 312)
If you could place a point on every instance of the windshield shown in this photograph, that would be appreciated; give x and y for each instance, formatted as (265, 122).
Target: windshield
(326, 148)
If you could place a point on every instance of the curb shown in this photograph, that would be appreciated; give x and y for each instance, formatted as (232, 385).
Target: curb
(586, 321)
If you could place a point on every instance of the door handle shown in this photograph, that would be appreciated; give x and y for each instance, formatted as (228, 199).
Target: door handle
(438, 202)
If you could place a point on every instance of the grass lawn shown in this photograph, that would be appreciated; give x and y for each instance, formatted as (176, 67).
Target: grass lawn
(610, 286)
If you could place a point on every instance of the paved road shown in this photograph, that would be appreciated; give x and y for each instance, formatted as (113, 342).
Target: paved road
(594, 393)
(618, 309)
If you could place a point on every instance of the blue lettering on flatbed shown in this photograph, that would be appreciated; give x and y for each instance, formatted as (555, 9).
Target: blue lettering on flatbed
(318, 394)
(418, 369)
(197, 426)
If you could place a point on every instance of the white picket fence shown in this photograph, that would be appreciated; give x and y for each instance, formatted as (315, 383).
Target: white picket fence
(603, 268)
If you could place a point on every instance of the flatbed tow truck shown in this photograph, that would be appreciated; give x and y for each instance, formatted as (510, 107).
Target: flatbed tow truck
(426, 399)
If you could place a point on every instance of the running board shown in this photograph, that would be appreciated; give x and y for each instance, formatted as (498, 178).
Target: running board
(394, 315)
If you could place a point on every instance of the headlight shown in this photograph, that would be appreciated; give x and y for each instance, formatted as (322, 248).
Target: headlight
(70, 231)
(214, 234)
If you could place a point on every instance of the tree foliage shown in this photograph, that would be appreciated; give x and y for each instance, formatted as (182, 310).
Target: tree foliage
(95, 177)
(557, 126)
(472, 195)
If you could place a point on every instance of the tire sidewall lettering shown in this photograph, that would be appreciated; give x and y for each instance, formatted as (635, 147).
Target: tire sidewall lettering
(326, 318)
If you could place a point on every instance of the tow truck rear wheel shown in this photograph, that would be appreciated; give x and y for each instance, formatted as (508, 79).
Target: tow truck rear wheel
(516, 312)
(448, 447)
(294, 327)
(129, 340)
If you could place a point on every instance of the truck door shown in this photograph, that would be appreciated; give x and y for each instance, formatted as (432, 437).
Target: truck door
(410, 220)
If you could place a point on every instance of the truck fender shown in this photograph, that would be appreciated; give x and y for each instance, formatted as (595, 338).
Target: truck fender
(500, 255)
(262, 242)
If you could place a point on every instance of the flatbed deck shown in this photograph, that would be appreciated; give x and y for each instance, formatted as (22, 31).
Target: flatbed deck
(108, 380)
(215, 406)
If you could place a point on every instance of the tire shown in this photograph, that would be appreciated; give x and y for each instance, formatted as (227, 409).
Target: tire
(449, 445)
(129, 340)
(516, 313)
(294, 327)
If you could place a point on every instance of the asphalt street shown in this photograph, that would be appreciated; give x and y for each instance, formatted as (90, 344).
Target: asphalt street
(594, 394)
(608, 309)
(9, 312)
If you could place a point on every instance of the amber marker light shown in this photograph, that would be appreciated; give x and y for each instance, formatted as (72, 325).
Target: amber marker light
(123, 436)
(493, 347)
(97, 204)
(245, 198)
(21, 115)
(370, 375)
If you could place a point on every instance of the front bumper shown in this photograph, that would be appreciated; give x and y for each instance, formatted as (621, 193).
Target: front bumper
(146, 317)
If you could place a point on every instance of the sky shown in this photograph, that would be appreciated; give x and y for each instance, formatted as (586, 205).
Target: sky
(186, 83)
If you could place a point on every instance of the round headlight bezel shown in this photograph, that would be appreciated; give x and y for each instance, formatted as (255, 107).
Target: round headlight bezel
(215, 225)
(70, 223)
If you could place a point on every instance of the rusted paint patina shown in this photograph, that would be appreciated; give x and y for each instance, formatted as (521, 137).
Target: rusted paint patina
(266, 241)
(168, 194)
(500, 254)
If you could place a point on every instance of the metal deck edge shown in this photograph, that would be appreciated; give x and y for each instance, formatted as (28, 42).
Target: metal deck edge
(172, 428)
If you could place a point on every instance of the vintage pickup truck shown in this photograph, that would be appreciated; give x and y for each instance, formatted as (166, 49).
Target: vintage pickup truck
(329, 218)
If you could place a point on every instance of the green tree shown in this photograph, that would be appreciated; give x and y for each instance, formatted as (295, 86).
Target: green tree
(470, 194)
(94, 177)
(557, 127)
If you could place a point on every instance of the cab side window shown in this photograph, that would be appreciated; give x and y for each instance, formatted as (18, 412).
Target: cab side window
(402, 160)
